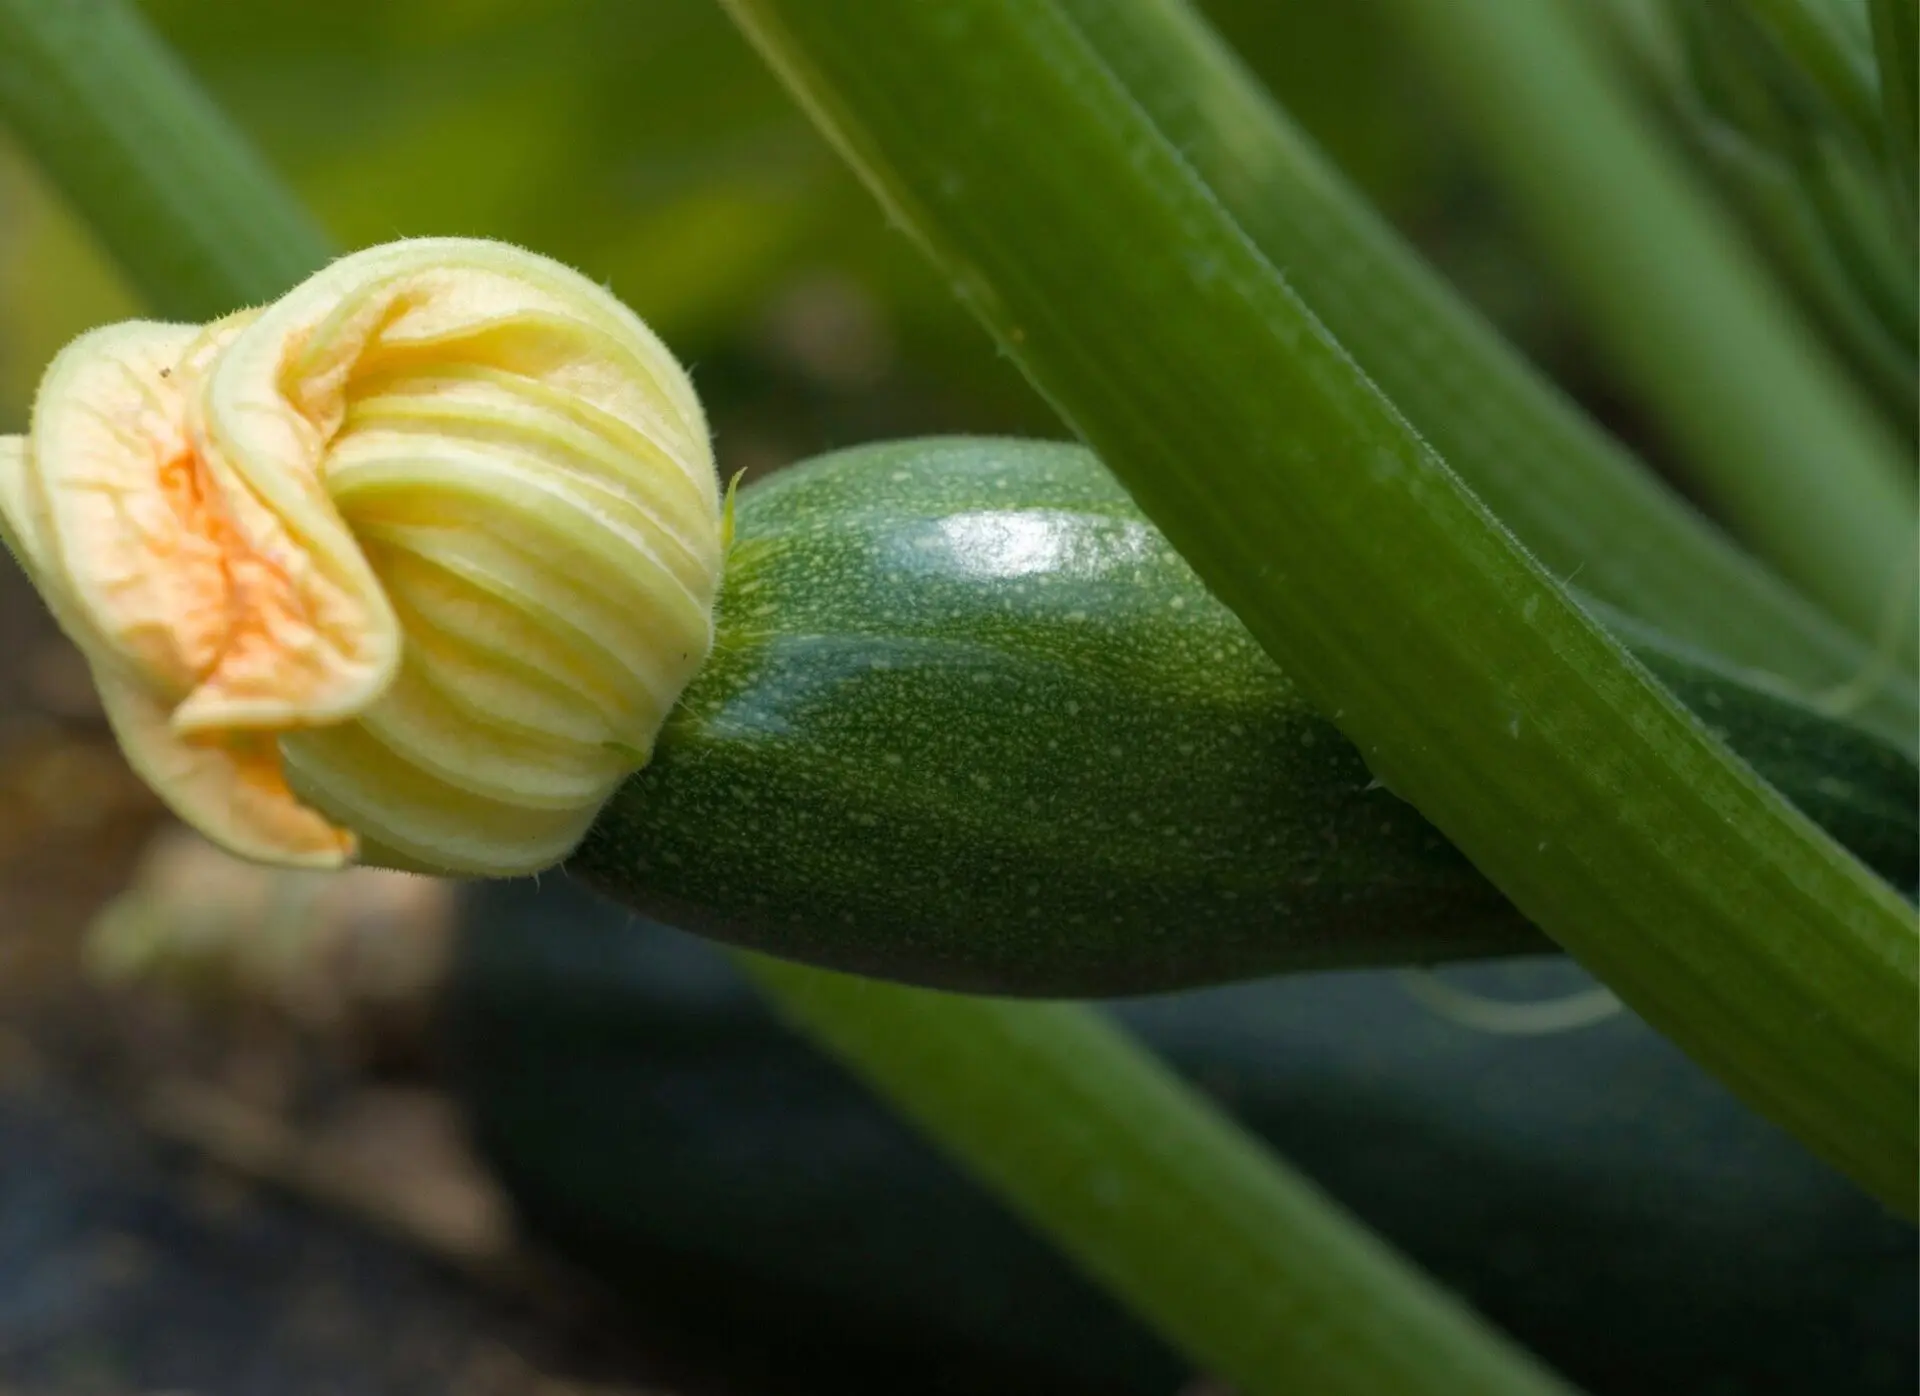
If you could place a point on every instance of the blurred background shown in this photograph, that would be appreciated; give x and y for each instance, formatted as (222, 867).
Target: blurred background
(645, 144)
(237, 1142)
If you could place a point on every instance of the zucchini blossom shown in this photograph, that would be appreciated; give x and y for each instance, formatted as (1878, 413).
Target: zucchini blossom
(406, 567)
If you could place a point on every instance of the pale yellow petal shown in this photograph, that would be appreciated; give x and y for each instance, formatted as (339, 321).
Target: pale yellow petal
(22, 528)
(180, 578)
(233, 790)
(314, 639)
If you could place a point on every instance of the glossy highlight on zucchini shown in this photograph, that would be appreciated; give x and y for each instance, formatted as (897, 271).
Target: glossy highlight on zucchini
(971, 722)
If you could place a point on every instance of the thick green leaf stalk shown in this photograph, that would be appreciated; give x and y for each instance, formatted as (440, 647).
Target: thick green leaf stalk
(1295, 1292)
(1575, 497)
(1469, 681)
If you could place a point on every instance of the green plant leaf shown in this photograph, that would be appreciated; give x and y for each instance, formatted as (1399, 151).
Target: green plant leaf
(1469, 681)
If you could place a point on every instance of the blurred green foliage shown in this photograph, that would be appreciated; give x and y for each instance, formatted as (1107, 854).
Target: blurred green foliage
(641, 141)
(1785, 121)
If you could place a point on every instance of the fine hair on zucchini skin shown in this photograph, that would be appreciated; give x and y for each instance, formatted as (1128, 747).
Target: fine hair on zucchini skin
(970, 722)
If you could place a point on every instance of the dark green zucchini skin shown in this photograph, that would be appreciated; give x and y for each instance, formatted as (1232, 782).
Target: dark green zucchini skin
(971, 722)
(1595, 1194)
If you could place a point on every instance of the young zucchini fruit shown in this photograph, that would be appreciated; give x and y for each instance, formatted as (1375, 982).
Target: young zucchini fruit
(971, 722)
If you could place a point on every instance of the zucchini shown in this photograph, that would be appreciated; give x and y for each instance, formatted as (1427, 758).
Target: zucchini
(1594, 1193)
(971, 722)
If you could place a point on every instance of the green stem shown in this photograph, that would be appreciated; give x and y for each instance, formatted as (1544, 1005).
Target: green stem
(1208, 1236)
(1171, 1206)
(1774, 430)
(1582, 504)
(1468, 679)
(180, 200)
